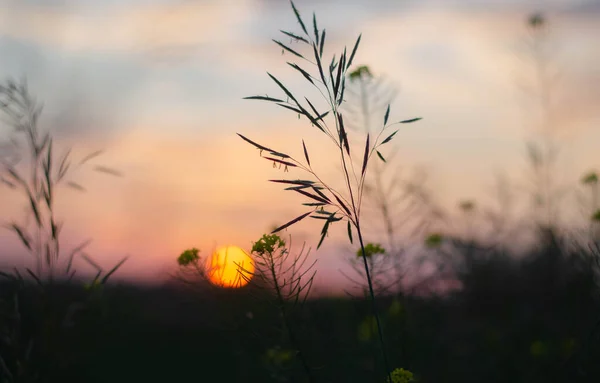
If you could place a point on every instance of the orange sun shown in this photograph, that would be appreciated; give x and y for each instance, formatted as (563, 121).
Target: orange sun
(230, 266)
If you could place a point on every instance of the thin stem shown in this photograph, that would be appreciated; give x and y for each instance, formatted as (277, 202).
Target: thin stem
(373, 303)
(286, 321)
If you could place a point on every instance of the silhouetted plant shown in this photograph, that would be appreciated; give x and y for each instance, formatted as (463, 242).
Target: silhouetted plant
(402, 203)
(543, 151)
(330, 81)
(289, 279)
(31, 332)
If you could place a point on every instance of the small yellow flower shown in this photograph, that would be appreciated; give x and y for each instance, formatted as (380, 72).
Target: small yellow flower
(401, 375)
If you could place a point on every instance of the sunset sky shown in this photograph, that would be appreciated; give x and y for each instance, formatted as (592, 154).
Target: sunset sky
(159, 86)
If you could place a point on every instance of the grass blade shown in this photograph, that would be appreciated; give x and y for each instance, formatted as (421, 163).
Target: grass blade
(349, 231)
(353, 51)
(294, 36)
(411, 120)
(342, 204)
(35, 277)
(389, 138)
(294, 182)
(387, 115)
(107, 170)
(281, 162)
(76, 186)
(299, 18)
(22, 235)
(319, 64)
(315, 28)
(343, 88)
(305, 153)
(285, 47)
(302, 71)
(322, 43)
(91, 262)
(287, 92)
(254, 143)
(380, 156)
(309, 195)
(264, 98)
(343, 135)
(316, 189)
(290, 223)
(323, 233)
(290, 108)
(74, 252)
(366, 156)
(115, 268)
(90, 156)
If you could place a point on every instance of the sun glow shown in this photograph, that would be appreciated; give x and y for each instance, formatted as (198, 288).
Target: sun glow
(230, 266)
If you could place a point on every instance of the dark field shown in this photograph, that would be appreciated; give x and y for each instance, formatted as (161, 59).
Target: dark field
(529, 321)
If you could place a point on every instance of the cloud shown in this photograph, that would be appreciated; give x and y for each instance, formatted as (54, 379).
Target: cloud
(180, 27)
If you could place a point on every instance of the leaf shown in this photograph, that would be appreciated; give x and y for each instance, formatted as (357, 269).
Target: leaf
(305, 153)
(338, 76)
(287, 92)
(76, 186)
(294, 36)
(48, 163)
(294, 182)
(91, 262)
(323, 115)
(76, 250)
(353, 51)
(285, 47)
(323, 233)
(380, 156)
(366, 156)
(319, 116)
(281, 162)
(312, 119)
(319, 192)
(319, 64)
(314, 204)
(35, 277)
(302, 71)
(387, 115)
(35, 210)
(297, 187)
(349, 231)
(297, 219)
(22, 235)
(115, 268)
(322, 43)
(342, 204)
(255, 144)
(343, 135)
(411, 120)
(343, 88)
(299, 18)
(309, 195)
(291, 108)
(90, 156)
(282, 155)
(264, 98)
(389, 138)
(107, 170)
(315, 28)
